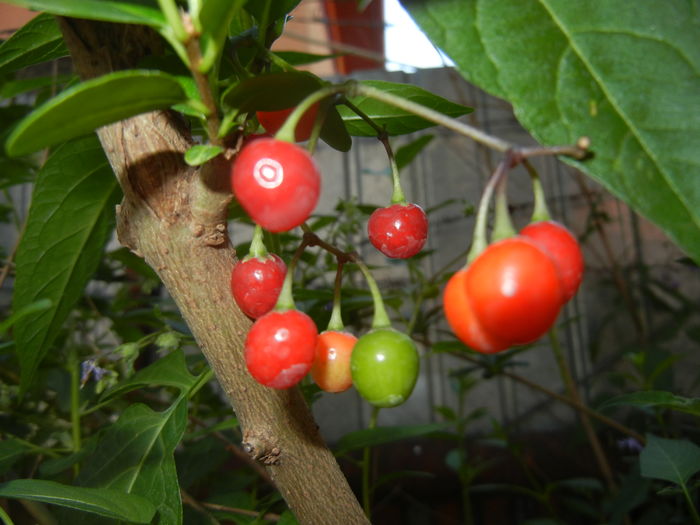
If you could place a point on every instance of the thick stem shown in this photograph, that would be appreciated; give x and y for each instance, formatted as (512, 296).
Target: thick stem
(74, 370)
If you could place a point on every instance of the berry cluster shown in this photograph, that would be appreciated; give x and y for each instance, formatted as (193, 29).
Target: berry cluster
(278, 184)
(511, 293)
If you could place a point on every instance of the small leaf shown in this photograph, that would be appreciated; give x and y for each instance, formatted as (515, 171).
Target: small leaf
(371, 437)
(144, 12)
(655, 398)
(103, 502)
(91, 104)
(395, 120)
(674, 460)
(201, 153)
(406, 154)
(170, 370)
(39, 40)
(69, 222)
(297, 58)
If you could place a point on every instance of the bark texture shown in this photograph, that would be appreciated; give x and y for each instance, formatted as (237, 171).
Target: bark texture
(173, 217)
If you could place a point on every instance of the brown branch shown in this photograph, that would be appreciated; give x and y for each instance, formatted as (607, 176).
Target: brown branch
(157, 221)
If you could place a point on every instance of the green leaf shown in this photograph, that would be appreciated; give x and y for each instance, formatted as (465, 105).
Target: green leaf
(278, 8)
(92, 104)
(103, 502)
(655, 398)
(371, 437)
(144, 12)
(202, 153)
(297, 58)
(39, 40)
(35, 307)
(674, 460)
(170, 370)
(70, 220)
(135, 455)
(271, 92)
(623, 76)
(405, 154)
(214, 18)
(395, 120)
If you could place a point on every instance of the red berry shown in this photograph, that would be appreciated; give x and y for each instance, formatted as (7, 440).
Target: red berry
(276, 182)
(331, 368)
(563, 248)
(460, 316)
(256, 284)
(515, 290)
(398, 231)
(272, 121)
(280, 348)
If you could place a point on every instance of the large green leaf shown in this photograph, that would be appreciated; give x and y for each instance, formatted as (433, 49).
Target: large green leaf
(103, 502)
(135, 455)
(37, 41)
(674, 460)
(92, 104)
(69, 222)
(625, 74)
(396, 121)
(124, 11)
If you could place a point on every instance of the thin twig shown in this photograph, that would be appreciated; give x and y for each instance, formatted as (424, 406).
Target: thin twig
(554, 395)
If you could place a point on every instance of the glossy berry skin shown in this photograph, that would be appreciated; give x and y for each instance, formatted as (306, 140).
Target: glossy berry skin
(256, 284)
(331, 368)
(398, 231)
(384, 366)
(515, 290)
(564, 249)
(276, 182)
(272, 121)
(460, 316)
(280, 348)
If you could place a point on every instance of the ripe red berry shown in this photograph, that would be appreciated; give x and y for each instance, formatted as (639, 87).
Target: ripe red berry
(398, 231)
(515, 290)
(256, 284)
(276, 182)
(331, 368)
(272, 121)
(563, 248)
(460, 316)
(280, 348)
